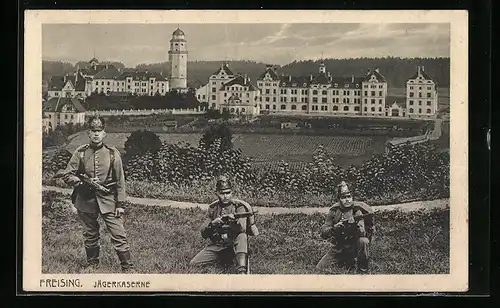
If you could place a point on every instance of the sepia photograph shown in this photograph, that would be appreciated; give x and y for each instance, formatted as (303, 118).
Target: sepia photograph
(243, 147)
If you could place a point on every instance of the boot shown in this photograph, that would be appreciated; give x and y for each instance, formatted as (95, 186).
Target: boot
(92, 256)
(363, 266)
(125, 261)
(241, 263)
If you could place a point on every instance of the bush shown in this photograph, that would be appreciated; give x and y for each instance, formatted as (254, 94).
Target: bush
(141, 142)
(218, 132)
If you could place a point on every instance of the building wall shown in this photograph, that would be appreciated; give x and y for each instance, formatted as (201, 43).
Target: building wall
(202, 94)
(421, 98)
(139, 87)
(178, 59)
(373, 97)
(62, 118)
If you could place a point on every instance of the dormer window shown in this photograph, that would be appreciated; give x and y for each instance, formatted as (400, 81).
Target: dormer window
(346, 85)
(305, 85)
(335, 85)
(283, 84)
(294, 85)
(267, 75)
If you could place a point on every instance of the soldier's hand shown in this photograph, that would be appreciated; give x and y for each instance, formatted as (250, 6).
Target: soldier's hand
(216, 221)
(230, 216)
(73, 180)
(339, 224)
(351, 220)
(94, 180)
(119, 212)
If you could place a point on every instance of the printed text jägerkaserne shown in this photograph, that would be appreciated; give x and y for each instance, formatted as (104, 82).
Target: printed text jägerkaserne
(121, 284)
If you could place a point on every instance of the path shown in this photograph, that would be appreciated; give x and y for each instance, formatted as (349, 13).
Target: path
(405, 207)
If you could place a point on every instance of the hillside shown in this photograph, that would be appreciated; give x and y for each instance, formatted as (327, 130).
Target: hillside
(396, 70)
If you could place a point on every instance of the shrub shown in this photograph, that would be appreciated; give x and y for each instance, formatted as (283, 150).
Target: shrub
(140, 142)
(219, 131)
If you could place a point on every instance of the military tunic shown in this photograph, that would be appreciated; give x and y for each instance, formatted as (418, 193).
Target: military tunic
(95, 162)
(222, 249)
(344, 251)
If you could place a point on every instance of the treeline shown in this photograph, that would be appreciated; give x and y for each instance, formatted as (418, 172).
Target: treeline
(396, 70)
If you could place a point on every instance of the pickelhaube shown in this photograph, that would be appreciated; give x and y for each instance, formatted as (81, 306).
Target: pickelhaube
(96, 123)
(343, 189)
(223, 183)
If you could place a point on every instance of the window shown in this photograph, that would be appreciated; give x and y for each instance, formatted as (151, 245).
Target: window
(267, 99)
(213, 90)
(411, 94)
(373, 109)
(267, 91)
(380, 101)
(420, 103)
(315, 92)
(411, 102)
(65, 116)
(428, 103)
(380, 86)
(315, 99)
(283, 107)
(379, 93)
(294, 107)
(274, 91)
(304, 107)
(335, 108)
(411, 110)
(324, 108)
(429, 88)
(213, 97)
(366, 101)
(346, 108)
(428, 95)
(323, 100)
(242, 109)
(274, 107)
(380, 109)
(419, 94)
(324, 92)
(411, 87)
(356, 108)
(373, 101)
(232, 110)
(366, 109)
(267, 107)
(274, 99)
(419, 110)
(373, 93)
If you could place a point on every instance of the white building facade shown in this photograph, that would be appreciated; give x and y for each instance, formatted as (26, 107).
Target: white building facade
(421, 95)
(178, 56)
(62, 111)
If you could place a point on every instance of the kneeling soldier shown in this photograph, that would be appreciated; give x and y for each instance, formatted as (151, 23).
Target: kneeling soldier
(350, 225)
(232, 220)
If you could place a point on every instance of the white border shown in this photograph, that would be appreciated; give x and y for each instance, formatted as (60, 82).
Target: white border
(457, 280)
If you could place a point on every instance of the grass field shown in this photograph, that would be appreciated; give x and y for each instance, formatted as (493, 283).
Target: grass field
(270, 148)
(163, 240)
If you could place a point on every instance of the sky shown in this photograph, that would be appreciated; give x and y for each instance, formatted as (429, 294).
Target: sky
(278, 44)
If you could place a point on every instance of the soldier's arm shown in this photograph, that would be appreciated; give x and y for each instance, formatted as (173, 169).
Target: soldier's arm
(120, 178)
(69, 173)
(327, 228)
(361, 224)
(207, 230)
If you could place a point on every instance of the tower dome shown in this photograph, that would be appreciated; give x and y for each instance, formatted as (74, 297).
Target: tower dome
(178, 32)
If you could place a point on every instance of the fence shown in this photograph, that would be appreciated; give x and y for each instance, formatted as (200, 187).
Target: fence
(136, 112)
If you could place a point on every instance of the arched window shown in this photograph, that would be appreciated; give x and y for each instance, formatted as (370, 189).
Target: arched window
(232, 110)
(294, 107)
(242, 109)
(346, 108)
(373, 109)
(366, 109)
(411, 110)
(380, 109)
(304, 107)
(419, 110)
(335, 108)
(274, 107)
(282, 107)
(323, 92)
(356, 108)
(428, 110)
(315, 92)
(223, 108)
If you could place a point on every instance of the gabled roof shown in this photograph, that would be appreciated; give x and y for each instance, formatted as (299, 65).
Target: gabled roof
(239, 80)
(93, 60)
(422, 73)
(321, 78)
(272, 74)
(55, 104)
(400, 100)
(77, 81)
(90, 71)
(224, 68)
(377, 74)
(56, 83)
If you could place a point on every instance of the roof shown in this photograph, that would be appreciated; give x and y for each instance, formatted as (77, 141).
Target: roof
(57, 83)
(294, 81)
(178, 32)
(271, 72)
(239, 80)
(110, 73)
(400, 100)
(224, 68)
(377, 74)
(421, 72)
(93, 60)
(91, 71)
(55, 104)
(141, 75)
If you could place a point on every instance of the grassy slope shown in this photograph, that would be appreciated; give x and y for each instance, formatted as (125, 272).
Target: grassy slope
(163, 240)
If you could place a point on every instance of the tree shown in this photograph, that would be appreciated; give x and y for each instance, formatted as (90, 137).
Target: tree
(226, 114)
(213, 114)
(141, 141)
(219, 131)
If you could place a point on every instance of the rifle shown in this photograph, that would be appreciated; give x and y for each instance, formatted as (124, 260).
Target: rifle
(86, 180)
(356, 218)
(346, 231)
(227, 217)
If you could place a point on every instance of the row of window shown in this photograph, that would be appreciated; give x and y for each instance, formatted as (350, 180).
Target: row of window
(412, 94)
(65, 116)
(419, 110)
(319, 107)
(429, 103)
(276, 84)
(137, 84)
(420, 88)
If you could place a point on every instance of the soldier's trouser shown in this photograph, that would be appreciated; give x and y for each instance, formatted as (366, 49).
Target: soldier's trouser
(214, 253)
(113, 224)
(346, 254)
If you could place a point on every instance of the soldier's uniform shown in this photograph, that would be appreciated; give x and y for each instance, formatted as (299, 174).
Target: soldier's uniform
(228, 241)
(354, 244)
(104, 163)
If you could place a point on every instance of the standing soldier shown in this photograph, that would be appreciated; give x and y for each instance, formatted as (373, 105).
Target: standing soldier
(228, 234)
(350, 225)
(96, 172)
